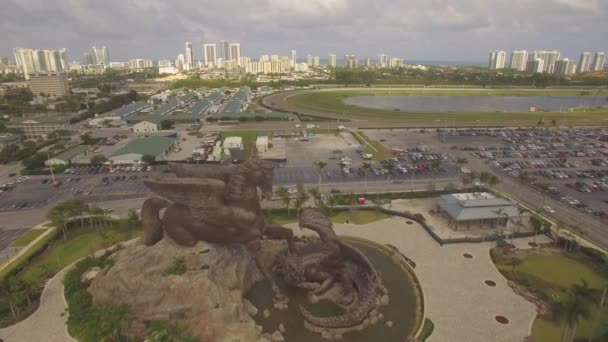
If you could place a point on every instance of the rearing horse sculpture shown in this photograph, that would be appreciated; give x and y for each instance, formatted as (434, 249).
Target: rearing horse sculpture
(214, 203)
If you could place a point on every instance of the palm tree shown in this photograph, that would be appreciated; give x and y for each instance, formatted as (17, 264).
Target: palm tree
(285, 197)
(316, 196)
(321, 165)
(366, 166)
(466, 180)
(390, 166)
(436, 164)
(575, 308)
(493, 180)
(10, 292)
(300, 199)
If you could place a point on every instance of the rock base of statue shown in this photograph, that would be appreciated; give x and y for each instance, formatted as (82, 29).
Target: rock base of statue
(205, 296)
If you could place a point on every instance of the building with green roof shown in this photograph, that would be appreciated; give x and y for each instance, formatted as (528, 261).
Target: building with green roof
(156, 145)
(66, 157)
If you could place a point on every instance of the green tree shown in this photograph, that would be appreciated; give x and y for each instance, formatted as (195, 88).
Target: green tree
(133, 219)
(167, 124)
(316, 196)
(493, 180)
(98, 159)
(148, 159)
(11, 293)
(285, 197)
(301, 199)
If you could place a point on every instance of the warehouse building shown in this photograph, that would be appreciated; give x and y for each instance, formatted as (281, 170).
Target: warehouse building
(66, 157)
(157, 145)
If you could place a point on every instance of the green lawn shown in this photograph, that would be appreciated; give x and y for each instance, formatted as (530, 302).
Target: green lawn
(62, 253)
(332, 102)
(379, 151)
(28, 237)
(553, 275)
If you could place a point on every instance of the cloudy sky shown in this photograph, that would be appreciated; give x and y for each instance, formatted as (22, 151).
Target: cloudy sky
(455, 30)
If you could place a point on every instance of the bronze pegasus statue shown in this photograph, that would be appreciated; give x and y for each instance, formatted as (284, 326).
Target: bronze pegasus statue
(214, 203)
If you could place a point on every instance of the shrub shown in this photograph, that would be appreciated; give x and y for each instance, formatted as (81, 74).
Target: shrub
(177, 267)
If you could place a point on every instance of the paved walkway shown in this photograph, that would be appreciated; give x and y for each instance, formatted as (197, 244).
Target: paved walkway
(48, 323)
(458, 301)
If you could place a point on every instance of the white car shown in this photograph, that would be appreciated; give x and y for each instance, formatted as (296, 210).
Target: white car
(465, 170)
(548, 209)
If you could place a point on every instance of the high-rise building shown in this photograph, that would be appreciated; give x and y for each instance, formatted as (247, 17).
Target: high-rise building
(210, 55)
(497, 60)
(101, 55)
(180, 62)
(599, 59)
(331, 61)
(351, 61)
(368, 62)
(189, 63)
(55, 84)
(294, 60)
(225, 50)
(34, 61)
(535, 66)
(549, 58)
(562, 67)
(315, 61)
(519, 59)
(382, 61)
(88, 59)
(164, 63)
(584, 62)
(309, 60)
(63, 55)
(235, 52)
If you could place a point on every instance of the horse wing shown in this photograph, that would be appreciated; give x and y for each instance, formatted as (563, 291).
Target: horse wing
(191, 192)
(222, 172)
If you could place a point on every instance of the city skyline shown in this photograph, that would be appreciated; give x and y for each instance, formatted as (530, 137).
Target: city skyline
(424, 30)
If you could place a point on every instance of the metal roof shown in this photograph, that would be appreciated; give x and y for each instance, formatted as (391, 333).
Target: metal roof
(67, 155)
(478, 209)
(166, 108)
(152, 145)
(130, 108)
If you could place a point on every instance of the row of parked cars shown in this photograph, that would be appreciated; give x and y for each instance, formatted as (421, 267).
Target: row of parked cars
(536, 164)
(562, 174)
(589, 186)
(539, 154)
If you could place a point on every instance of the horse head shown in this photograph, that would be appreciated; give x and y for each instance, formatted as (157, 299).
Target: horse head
(256, 173)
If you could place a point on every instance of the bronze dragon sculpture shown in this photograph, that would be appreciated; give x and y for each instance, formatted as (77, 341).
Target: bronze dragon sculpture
(359, 286)
(214, 203)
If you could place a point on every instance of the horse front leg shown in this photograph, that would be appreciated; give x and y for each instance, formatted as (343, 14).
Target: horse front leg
(254, 248)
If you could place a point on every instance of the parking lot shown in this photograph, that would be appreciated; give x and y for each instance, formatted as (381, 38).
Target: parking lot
(569, 165)
(328, 148)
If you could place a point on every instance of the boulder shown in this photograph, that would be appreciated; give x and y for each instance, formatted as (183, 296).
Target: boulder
(277, 337)
(212, 294)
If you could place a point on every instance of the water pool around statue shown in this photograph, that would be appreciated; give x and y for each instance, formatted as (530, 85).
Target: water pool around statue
(404, 304)
(474, 103)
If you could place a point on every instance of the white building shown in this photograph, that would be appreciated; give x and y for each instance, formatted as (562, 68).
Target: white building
(584, 62)
(519, 59)
(383, 61)
(235, 52)
(189, 56)
(309, 60)
(144, 127)
(497, 60)
(233, 142)
(225, 50)
(293, 58)
(171, 70)
(261, 143)
(331, 61)
(106, 121)
(210, 55)
(599, 59)
(315, 61)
